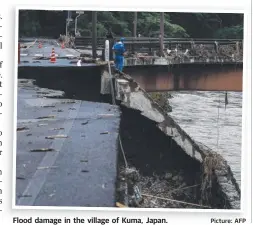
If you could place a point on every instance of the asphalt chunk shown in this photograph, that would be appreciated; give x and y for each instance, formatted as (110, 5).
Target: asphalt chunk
(46, 117)
(24, 196)
(85, 123)
(56, 136)
(22, 128)
(57, 128)
(43, 150)
(84, 160)
(48, 106)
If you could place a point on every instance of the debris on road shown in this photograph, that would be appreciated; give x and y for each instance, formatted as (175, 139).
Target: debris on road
(85, 123)
(24, 196)
(85, 171)
(48, 106)
(105, 115)
(57, 128)
(45, 117)
(22, 128)
(47, 167)
(56, 136)
(68, 102)
(106, 132)
(42, 124)
(51, 195)
(42, 150)
(84, 160)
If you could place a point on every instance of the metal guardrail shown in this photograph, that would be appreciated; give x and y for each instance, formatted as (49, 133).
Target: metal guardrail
(139, 43)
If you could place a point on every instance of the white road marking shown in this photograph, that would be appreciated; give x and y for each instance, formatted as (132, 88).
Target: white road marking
(38, 55)
(39, 177)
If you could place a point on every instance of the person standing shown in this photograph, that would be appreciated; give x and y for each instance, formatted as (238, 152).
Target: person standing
(119, 50)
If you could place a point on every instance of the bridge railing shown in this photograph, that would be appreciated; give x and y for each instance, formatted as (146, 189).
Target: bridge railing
(144, 44)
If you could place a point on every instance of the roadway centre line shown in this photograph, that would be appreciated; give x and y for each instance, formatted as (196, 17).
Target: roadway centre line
(39, 177)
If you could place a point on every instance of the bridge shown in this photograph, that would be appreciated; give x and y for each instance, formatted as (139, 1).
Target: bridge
(200, 64)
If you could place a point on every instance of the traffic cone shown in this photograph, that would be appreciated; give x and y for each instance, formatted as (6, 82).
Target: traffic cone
(53, 58)
(62, 45)
(40, 45)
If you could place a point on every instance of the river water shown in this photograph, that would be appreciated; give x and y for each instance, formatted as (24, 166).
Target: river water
(204, 117)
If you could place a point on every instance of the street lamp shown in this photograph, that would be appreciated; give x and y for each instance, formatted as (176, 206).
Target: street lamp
(79, 14)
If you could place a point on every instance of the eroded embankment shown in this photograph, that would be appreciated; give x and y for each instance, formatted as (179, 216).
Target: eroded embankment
(218, 188)
(162, 165)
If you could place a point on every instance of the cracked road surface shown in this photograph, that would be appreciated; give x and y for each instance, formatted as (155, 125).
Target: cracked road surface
(66, 149)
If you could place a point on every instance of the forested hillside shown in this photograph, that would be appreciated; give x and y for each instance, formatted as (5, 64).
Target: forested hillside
(195, 25)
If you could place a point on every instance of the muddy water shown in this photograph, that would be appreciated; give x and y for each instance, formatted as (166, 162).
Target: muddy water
(204, 117)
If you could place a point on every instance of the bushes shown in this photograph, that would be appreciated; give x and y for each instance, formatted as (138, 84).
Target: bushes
(235, 32)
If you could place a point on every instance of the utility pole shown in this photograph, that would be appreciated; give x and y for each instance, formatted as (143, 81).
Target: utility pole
(161, 32)
(135, 24)
(94, 35)
(67, 21)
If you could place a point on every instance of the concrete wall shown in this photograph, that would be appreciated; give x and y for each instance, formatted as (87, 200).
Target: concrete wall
(76, 82)
(133, 96)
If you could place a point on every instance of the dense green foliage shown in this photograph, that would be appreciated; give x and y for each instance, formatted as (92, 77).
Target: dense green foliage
(195, 25)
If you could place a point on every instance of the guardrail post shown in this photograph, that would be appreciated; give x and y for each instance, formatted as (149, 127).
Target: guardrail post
(192, 44)
(237, 48)
(150, 48)
(216, 46)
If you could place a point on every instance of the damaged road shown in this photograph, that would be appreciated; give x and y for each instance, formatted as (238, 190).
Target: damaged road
(51, 160)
